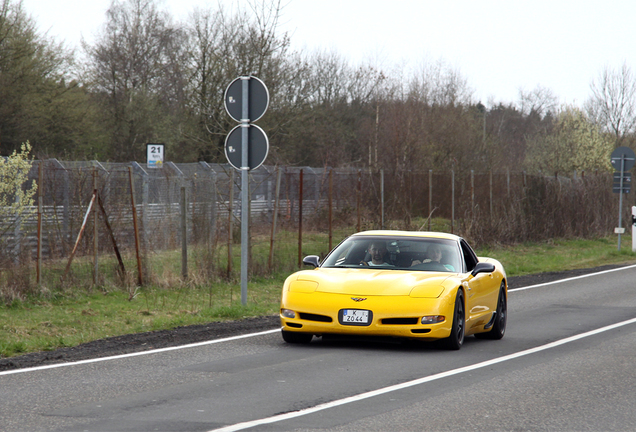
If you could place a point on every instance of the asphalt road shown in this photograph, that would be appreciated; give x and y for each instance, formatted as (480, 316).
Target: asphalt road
(567, 362)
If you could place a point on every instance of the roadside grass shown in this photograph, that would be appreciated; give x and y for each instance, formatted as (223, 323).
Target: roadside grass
(557, 255)
(67, 316)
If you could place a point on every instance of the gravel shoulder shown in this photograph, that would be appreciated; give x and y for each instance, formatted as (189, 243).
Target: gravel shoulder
(215, 330)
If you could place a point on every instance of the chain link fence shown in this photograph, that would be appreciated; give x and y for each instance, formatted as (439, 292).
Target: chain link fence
(90, 212)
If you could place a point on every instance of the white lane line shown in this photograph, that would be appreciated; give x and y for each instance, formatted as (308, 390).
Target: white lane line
(154, 351)
(393, 388)
(572, 278)
(160, 350)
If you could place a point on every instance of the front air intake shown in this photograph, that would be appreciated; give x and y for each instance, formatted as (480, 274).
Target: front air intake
(399, 321)
(314, 317)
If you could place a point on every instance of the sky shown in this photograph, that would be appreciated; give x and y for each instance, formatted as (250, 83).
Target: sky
(499, 46)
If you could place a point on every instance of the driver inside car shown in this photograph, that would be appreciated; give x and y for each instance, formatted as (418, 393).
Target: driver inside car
(377, 251)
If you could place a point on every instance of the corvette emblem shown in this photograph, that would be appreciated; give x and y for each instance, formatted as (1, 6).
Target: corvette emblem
(358, 299)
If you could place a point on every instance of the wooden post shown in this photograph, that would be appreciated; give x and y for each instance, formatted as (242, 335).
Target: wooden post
(38, 272)
(430, 198)
(95, 234)
(472, 192)
(490, 194)
(300, 220)
(229, 226)
(122, 269)
(452, 201)
(330, 200)
(184, 234)
(359, 193)
(270, 261)
(140, 279)
(508, 181)
(382, 197)
(79, 237)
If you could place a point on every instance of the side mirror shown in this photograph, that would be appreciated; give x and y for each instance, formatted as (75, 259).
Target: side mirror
(483, 267)
(312, 260)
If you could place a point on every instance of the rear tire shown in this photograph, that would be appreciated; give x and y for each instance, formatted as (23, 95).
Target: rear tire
(296, 338)
(456, 338)
(501, 317)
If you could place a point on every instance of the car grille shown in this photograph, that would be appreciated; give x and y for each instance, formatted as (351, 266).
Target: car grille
(314, 317)
(399, 321)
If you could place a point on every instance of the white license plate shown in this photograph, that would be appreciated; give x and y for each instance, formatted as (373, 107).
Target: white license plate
(355, 316)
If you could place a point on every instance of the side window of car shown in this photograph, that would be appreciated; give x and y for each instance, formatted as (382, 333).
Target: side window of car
(469, 256)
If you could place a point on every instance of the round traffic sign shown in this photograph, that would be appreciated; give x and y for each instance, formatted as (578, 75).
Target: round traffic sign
(258, 147)
(625, 154)
(258, 96)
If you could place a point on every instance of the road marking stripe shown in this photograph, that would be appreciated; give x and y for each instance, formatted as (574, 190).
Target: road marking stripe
(367, 395)
(154, 351)
(160, 350)
(572, 278)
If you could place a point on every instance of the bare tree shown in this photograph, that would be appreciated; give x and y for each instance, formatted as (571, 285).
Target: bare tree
(223, 45)
(613, 102)
(129, 69)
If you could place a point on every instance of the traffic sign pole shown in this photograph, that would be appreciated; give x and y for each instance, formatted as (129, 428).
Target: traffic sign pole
(246, 100)
(245, 211)
(620, 202)
(633, 228)
(625, 158)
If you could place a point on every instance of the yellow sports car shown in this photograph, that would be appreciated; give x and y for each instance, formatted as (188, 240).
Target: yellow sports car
(419, 285)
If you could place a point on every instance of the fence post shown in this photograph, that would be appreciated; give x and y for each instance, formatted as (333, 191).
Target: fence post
(95, 233)
(140, 280)
(430, 198)
(38, 272)
(300, 219)
(270, 260)
(229, 225)
(66, 208)
(472, 193)
(359, 192)
(508, 181)
(490, 182)
(382, 196)
(330, 200)
(452, 201)
(184, 233)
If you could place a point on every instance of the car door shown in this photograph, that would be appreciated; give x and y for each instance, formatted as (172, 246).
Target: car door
(481, 297)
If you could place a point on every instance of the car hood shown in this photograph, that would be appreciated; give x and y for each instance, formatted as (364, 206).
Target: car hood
(370, 281)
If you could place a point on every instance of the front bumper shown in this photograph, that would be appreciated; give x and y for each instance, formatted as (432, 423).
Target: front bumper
(394, 316)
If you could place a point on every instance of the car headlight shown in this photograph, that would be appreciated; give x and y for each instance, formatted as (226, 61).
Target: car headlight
(433, 319)
(287, 313)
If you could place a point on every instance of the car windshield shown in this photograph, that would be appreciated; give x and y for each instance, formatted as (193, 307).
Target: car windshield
(396, 253)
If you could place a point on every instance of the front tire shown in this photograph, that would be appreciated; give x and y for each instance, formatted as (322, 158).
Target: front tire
(456, 338)
(501, 317)
(296, 338)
